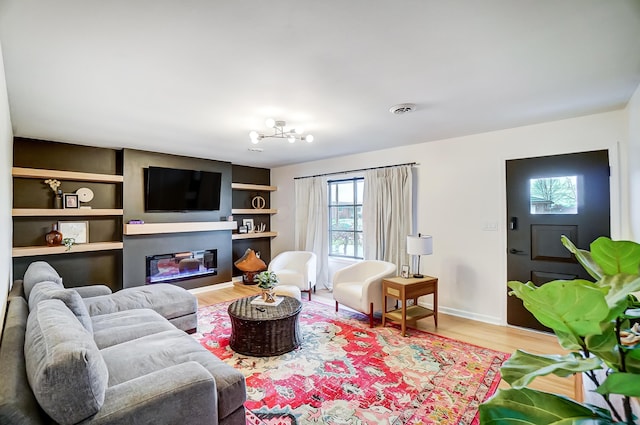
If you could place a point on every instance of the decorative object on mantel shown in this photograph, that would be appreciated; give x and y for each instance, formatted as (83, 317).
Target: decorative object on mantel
(267, 281)
(259, 228)
(54, 237)
(280, 131)
(57, 192)
(258, 202)
(250, 264)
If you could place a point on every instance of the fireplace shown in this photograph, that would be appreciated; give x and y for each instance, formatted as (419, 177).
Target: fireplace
(181, 265)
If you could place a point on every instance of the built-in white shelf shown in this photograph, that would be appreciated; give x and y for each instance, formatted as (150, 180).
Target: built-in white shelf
(37, 173)
(67, 212)
(254, 211)
(236, 236)
(262, 187)
(30, 251)
(198, 226)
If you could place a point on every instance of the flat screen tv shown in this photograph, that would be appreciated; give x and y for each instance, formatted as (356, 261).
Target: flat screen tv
(172, 189)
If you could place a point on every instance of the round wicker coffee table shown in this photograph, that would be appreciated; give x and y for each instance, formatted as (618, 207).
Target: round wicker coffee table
(262, 331)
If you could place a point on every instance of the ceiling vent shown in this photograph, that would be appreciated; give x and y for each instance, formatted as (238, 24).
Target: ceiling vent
(402, 108)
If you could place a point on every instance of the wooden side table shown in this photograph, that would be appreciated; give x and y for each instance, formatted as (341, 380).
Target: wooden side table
(404, 289)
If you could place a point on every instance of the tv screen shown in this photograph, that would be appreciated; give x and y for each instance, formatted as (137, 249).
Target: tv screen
(171, 189)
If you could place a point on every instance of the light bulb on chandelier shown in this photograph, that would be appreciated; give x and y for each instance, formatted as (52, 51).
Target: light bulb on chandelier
(279, 132)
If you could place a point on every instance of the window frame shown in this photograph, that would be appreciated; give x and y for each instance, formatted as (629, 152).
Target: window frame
(355, 232)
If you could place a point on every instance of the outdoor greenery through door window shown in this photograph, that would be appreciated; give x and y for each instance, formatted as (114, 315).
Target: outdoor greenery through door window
(554, 195)
(345, 218)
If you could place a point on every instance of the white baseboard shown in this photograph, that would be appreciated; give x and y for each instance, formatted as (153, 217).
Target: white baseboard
(465, 314)
(213, 287)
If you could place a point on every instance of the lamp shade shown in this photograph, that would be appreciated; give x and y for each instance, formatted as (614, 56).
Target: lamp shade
(419, 245)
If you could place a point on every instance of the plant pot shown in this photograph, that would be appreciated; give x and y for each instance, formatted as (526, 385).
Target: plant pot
(269, 295)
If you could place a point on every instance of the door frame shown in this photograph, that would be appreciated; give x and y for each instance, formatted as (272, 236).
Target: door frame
(615, 200)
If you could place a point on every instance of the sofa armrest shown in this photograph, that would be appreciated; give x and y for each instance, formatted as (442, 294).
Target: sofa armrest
(92, 290)
(182, 394)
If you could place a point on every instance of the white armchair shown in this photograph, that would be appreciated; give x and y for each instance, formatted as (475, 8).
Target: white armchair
(297, 268)
(359, 286)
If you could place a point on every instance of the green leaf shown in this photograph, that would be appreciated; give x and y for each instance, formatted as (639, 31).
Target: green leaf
(529, 407)
(632, 362)
(584, 258)
(605, 345)
(523, 367)
(621, 383)
(620, 286)
(575, 307)
(615, 257)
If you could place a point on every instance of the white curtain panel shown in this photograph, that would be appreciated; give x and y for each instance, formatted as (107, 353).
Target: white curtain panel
(311, 222)
(387, 213)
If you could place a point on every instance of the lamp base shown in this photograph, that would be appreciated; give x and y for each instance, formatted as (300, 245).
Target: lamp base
(418, 276)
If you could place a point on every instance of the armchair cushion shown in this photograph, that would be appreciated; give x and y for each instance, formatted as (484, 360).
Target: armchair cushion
(359, 285)
(296, 268)
(64, 366)
(39, 271)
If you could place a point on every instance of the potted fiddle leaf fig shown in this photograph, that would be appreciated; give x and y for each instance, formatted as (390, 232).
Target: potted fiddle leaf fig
(598, 323)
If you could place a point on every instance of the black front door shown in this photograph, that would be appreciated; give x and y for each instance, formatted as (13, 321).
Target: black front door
(548, 197)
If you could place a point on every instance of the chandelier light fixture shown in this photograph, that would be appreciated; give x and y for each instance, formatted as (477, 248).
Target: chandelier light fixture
(279, 132)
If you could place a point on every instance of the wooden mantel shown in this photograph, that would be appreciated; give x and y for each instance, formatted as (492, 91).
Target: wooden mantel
(198, 226)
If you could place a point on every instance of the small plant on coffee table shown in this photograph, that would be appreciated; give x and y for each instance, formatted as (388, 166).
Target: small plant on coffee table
(267, 281)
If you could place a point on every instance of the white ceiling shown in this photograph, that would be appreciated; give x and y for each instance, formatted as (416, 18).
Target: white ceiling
(194, 77)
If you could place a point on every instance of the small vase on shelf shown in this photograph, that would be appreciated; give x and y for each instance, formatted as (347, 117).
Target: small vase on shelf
(54, 237)
(57, 200)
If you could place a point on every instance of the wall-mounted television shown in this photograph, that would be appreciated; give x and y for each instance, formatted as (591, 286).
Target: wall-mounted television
(172, 189)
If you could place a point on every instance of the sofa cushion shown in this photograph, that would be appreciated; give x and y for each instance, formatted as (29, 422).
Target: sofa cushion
(148, 354)
(39, 271)
(64, 367)
(52, 291)
(168, 300)
(115, 328)
(17, 403)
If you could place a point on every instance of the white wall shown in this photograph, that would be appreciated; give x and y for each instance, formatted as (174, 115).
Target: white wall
(633, 118)
(6, 159)
(461, 189)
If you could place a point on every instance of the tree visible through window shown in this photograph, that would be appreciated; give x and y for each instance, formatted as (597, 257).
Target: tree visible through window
(345, 217)
(554, 195)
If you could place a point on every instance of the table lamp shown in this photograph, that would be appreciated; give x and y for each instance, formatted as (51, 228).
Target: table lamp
(419, 245)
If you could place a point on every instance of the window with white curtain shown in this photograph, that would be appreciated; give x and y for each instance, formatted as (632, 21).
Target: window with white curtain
(345, 217)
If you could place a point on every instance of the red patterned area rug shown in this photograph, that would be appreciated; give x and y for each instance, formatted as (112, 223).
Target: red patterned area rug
(347, 373)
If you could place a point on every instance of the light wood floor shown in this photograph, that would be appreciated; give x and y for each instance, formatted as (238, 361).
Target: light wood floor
(501, 338)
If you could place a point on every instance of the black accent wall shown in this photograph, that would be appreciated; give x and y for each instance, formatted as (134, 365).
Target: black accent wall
(136, 248)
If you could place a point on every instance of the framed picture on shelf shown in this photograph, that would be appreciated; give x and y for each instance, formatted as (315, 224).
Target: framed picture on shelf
(248, 222)
(405, 271)
(78, 230)
(71, 200)
(242, 229)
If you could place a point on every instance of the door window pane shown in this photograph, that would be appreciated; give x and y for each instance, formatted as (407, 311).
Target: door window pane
(554, 195)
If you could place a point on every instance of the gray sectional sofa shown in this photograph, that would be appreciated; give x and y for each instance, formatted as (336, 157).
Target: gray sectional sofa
(59, 364)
